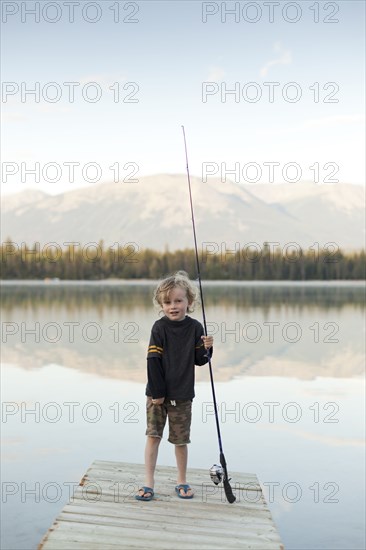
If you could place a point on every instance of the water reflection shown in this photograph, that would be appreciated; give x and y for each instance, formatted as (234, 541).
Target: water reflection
(127, 295)
(298, 347)
(296, 330)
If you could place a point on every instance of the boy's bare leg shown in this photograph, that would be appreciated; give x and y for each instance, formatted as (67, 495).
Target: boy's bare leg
(151, 456)
(181, 455)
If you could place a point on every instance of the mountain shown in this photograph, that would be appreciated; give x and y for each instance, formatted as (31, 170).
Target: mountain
(155, 213)
(10, 203)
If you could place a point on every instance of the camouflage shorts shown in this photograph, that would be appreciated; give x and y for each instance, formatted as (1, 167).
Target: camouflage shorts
(179, 420)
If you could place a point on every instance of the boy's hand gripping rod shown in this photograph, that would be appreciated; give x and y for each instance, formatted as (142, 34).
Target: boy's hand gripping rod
(227, 487)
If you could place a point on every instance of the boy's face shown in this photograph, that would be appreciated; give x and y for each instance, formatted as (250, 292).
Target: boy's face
(175, 305)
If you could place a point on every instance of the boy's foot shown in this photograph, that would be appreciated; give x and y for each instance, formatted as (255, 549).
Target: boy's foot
(184, 491)
(145, 493)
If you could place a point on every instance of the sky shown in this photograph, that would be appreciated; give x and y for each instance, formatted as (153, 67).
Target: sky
(267, 91)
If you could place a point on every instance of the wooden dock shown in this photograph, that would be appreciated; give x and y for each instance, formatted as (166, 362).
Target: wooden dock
(104, 515)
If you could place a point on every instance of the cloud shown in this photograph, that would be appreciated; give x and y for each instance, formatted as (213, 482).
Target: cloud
(315, 123)
(335, 120)
(103, 79)
(216, 74)
(284, 58)
(14, 117)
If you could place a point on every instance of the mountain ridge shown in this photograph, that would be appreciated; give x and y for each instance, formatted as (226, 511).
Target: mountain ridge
(155, 213)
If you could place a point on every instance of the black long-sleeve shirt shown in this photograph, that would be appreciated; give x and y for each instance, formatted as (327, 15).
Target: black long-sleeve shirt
(175, 348)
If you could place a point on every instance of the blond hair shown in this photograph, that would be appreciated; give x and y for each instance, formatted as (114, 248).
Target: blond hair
(178, 279)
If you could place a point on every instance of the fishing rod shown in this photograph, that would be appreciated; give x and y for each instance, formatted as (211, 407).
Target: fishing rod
(216, 473)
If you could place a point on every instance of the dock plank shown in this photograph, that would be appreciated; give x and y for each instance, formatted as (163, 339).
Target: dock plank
(103, 513)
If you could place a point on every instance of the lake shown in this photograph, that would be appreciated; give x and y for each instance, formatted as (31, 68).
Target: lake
(289, 376)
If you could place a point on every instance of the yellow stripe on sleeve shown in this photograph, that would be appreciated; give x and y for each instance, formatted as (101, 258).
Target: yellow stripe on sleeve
(155, 349)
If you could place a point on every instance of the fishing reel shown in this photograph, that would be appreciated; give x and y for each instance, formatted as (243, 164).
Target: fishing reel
(217, 473)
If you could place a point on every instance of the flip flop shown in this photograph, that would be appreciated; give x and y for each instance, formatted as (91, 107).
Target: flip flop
(146, 490)
(185, 489)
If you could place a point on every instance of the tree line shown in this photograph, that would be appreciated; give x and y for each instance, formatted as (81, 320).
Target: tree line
(95, 261)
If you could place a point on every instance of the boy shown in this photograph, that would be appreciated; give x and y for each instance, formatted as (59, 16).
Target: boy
(177, 343)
